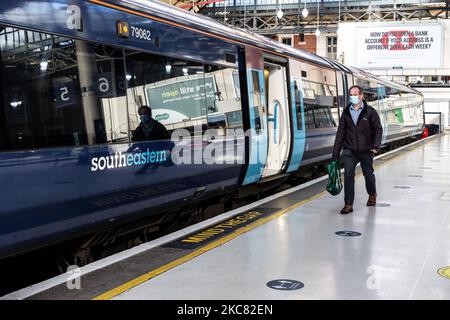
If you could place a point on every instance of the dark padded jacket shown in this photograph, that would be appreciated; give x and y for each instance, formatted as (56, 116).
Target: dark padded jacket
(159, 132)
(363, 136)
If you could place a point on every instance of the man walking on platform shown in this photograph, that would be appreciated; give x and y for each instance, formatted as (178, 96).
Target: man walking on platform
(359, 133)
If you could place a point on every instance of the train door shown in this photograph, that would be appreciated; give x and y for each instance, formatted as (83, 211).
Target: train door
(278, 116)
(298, 121)
(257, 113)
(382, 105)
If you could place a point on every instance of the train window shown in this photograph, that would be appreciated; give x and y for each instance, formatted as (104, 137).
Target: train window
(371, 93)
(341, 90)
(176, 90)
(390, 91)
(223, 101)
(110, 90)
(370, 89)
(321, 109)
(381, 98)
(298, 105)
(237, 84)
(56, 91)
(364, 83)
(349, 80)
(258, 102)
(393, 108)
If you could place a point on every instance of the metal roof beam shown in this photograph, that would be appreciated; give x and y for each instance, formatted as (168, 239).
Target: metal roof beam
(266, 22)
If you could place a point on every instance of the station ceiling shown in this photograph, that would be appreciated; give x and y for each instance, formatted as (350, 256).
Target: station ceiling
(260, 16)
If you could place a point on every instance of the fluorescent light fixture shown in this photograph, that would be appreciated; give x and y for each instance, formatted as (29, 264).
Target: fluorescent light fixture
(15, 104)
(44, 65)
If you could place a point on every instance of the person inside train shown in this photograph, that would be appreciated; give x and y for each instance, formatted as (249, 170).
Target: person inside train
(149, 129)
(359, 134)
(152, 130)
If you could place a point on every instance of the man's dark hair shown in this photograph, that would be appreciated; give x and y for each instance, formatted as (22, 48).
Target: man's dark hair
(361, 90)
(147, 109)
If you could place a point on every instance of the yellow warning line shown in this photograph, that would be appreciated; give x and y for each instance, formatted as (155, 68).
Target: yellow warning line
(127, 286)
(154, 273)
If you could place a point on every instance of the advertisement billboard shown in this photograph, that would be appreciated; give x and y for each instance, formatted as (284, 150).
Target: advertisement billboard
(400, 46)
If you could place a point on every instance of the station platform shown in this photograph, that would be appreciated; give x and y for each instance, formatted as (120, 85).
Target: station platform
(298, 246)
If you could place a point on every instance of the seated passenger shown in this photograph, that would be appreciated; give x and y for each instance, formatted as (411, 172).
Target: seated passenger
(149, 128)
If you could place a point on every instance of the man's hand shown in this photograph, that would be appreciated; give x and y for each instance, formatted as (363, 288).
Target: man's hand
(374, 151)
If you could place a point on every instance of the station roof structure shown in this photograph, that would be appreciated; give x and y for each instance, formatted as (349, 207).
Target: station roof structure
(263, 16)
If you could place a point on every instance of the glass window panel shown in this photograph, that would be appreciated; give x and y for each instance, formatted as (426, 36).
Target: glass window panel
(177, 92)
(258, 102)
(298, 105)
(68, 93)
(224, 102)
(341, 93)
(321, 110)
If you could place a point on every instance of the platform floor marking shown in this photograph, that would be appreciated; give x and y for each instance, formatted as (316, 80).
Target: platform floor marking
(125, 287)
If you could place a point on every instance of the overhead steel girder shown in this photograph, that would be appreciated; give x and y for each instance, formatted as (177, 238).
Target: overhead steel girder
(343, 4)
(234, 12)
(292, 22)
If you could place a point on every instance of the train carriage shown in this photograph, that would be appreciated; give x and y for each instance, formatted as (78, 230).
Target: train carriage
(74, 74)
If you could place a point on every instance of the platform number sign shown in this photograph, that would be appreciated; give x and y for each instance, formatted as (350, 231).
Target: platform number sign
(66, 94)
(109, 88)
(104, 85)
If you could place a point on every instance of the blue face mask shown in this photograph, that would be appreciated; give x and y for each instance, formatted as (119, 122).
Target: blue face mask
(354, 100)
(144, 118)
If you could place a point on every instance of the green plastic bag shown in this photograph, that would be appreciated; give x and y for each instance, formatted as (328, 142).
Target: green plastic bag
(334, 186)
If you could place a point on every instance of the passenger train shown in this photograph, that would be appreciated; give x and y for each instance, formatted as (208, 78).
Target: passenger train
(74, 74)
